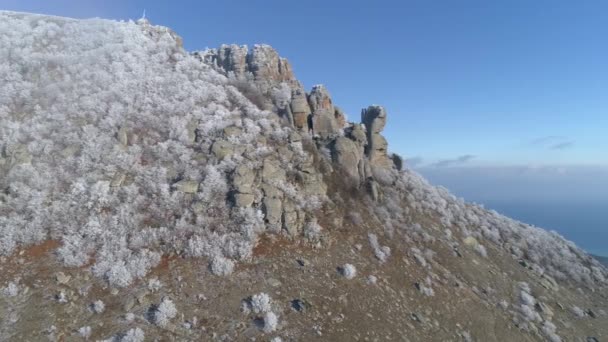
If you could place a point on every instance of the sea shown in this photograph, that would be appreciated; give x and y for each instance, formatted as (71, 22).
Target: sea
(584, 223)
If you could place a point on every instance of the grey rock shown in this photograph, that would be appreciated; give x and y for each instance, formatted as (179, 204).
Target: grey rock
(324, 123)
(118, 179)
(122, 136)
(62, 278)
(187, 186)
(397, 161)
(231, 131)
(243, 179)
(348, 154)
(272, 171)
(243, 200)
(293, 219)
(221, 149)
(374, 119)
(273, 208)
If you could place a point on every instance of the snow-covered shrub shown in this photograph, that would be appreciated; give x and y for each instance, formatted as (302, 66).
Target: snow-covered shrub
(222, 266)
(85, 332)
(381, 252)
(417, 254)
(164, 312)
(260, 303)
(271, 322)
(348, 271)
(425, 287)
(527, 302)
(11, 289)
(312, 230)
(154, 284)
(481, 250)
(98, 306)
(549, 330)
(133, 335)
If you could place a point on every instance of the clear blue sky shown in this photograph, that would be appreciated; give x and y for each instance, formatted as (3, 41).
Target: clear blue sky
(503, 102)
(508, 82)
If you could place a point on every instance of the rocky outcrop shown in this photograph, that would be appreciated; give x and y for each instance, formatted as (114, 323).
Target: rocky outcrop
(355, 148)
(300, 109)
(374, 119)
(262, 64)
(324, 123)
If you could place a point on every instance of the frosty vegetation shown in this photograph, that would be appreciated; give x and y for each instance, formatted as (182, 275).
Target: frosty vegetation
(105, 133)
(163, 313)
(348, 271)
(261, 304)
(381, 252)
(108, 144)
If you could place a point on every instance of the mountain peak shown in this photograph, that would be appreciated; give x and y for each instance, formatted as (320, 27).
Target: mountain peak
(148, 191)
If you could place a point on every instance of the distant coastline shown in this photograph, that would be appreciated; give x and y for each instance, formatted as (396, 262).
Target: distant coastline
(603, 260)
(581, 222)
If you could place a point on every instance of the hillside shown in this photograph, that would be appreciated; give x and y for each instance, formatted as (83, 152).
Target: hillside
(150, 193)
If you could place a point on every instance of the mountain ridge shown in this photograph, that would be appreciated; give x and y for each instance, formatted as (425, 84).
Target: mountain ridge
(130, 159)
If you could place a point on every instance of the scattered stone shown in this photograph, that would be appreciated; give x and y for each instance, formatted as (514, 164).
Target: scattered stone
(129, 304)
(470, 241)
(187, 186)
(299, 305)
(590, 313)
(273, 282)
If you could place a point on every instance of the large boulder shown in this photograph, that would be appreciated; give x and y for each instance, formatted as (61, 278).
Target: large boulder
(347, 153)
(266, 65)
(300, 109)
(324, 123)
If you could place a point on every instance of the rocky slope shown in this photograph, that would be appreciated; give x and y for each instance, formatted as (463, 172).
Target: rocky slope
(148, 193)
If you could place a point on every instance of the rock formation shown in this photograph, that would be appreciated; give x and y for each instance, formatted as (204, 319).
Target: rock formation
(356, 148)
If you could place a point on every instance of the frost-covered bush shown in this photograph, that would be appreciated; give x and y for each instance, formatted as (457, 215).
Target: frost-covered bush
(164, 312)
(98, 306)
(481, 250)
(222, 266)
(527, 302)
(271, 322)
(261, 303)
(417, 254)
(425, 287)
(348, 271)
(312, 230)
(11, 289)
(85, 332)
(381, 252)
(550, 331)
(133, 335)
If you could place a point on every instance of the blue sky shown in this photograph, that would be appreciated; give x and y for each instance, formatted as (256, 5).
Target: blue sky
(497, 100)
